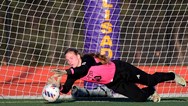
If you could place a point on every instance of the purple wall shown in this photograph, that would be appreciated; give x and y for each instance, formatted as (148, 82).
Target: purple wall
(102, 27)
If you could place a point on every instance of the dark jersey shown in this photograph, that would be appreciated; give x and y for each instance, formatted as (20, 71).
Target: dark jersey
(74, 74)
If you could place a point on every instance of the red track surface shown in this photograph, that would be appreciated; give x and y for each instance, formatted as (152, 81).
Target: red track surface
(25, 80)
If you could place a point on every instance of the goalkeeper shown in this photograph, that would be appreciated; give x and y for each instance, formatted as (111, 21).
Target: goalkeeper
(119, 76)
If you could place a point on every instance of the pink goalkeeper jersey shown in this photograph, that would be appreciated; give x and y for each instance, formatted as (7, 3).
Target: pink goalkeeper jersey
(102, 74)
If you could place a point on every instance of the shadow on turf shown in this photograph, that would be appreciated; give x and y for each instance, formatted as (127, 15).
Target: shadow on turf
(92, 99)
(111, 100)
(174, 99)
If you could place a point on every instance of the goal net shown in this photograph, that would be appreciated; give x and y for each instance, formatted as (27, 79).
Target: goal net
(150, 34)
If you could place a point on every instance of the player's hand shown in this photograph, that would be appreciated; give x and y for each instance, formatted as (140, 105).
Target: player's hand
(52, 80)
(58, 72)
(56, 77)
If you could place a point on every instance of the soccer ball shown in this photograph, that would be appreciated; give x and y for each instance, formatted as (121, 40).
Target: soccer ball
(50, 92)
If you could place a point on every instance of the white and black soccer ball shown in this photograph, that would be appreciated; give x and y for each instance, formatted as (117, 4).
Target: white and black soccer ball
(50, 92)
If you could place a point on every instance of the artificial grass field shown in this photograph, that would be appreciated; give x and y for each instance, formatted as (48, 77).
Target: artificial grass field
(176, 101)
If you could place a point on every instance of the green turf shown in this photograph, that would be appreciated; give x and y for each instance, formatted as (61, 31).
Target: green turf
(95, 102)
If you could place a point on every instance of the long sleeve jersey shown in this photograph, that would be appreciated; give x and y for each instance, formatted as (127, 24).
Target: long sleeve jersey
(74, 74)
(91, 71)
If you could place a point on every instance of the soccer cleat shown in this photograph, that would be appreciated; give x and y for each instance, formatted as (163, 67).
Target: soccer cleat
(180, 80)
(155, 97)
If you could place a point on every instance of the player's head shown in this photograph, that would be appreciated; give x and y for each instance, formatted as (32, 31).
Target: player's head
(73, 57)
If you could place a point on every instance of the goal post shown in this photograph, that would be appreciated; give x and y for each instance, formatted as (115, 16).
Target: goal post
(150, 34)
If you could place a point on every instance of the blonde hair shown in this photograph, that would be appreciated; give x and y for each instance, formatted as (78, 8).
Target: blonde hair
(102, 58)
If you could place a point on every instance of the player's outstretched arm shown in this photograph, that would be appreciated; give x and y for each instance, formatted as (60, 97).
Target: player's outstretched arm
(56, 78)
(58, 72)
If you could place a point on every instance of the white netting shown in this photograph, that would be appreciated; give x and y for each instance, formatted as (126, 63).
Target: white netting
(152, 34)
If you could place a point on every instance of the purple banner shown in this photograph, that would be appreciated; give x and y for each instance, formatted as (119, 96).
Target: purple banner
(102, 27)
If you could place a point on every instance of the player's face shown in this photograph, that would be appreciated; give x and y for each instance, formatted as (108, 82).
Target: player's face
(73, 59)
